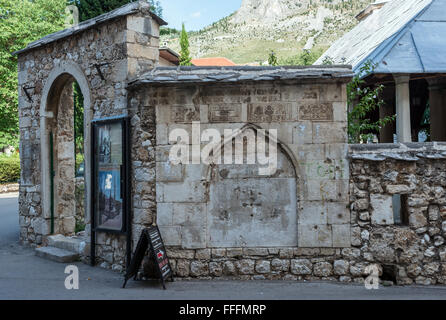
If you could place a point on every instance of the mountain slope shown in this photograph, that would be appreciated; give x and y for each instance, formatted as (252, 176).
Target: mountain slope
(284, 26)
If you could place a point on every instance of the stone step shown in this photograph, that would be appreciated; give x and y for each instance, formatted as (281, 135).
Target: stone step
(57, 254)
(76, 245)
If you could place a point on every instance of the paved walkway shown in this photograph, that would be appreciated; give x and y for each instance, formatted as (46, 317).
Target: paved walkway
(25, 276)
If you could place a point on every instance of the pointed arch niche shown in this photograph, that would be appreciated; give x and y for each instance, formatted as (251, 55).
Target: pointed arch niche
(247, 209)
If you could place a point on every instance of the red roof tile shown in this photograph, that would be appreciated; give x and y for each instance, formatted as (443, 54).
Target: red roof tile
(211, 62)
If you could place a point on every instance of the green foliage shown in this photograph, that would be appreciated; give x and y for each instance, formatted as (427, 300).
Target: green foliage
(78, 123)
(362, 100)
(328, 61)
(305, 58)
(80, 226)
(185, 59)
(9, 168)
(21, 22)
(164, 31)
(272, 59)
(92, 8)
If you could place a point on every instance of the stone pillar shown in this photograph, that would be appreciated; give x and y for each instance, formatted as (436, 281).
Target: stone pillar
(403, 126)
(386, 110)
(437, 100)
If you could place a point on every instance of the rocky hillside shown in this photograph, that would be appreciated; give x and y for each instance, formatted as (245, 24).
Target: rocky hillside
(283, 26)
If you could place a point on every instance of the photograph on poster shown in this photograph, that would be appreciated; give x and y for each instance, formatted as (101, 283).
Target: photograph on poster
(109, 204)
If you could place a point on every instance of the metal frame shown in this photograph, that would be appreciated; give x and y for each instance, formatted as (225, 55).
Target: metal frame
(125, 185)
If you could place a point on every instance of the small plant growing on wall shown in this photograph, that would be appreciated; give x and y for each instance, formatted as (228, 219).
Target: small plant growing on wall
(362, 100)
(272, 59)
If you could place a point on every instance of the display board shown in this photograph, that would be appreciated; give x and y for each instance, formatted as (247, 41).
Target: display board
(151, 240)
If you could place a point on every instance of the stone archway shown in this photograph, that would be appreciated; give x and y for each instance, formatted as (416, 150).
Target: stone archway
(246, 209)
(55, 121)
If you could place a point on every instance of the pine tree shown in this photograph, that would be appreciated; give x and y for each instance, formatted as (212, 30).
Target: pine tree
(185, 59)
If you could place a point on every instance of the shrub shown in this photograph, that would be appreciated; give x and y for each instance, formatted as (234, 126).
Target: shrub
(9, 169)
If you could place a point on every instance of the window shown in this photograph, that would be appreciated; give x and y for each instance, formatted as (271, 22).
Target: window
(400, 211)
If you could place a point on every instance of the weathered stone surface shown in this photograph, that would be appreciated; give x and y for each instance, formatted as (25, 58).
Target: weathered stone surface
(382, 213)
(263, 266)
(183, 268)
(323, 269)
(280, 265)
(245, 266)
(228, 268)
(301, 266)
(203, 254)
(341, 267)
(199, 269)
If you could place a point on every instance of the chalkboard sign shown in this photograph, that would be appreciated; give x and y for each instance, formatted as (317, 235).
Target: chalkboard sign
(150, 239)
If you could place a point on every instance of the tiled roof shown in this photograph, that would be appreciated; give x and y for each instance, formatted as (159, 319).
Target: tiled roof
(405, 36)
(211, 62)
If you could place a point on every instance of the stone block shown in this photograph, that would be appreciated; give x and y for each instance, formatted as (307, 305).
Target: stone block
(142, 216)
(164, 214)
(338, 212)
(215, 269)
(234, 252)
(218, 253)
(168, 172)
(339, 111)
(139, 24)
(56, 254)
(382, 209)
(171, 235)
(199, 269)
(332, 132)
(187, 192)
(341, 267)
(162, 134)
(341, 235)
(417, 218)
(245, 266)
(315, 236)
(303, 133)
(193, 237)
(312, 213)
(203, 254)
(398, 189)
(301, 267)
(186, 214)
(263, 266)
(323, 269)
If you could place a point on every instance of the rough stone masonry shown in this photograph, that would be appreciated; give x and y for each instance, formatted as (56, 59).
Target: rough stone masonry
(327, 213)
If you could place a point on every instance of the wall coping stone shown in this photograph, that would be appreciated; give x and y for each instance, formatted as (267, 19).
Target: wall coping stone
(398, 151)
(193, 74)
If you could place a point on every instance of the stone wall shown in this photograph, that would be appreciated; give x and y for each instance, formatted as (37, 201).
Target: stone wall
(227, 220)
(103, 56)
(411, 254)
(416, 251)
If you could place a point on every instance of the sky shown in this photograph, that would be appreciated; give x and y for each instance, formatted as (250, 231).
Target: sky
(196, 14)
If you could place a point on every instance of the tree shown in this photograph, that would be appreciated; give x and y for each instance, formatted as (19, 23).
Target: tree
(362, 100)
(305, 58)
(272, 59)
(21, 22)
(92, 8)
(185, 59)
